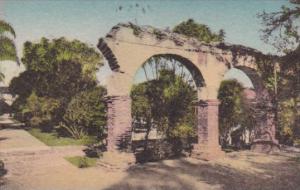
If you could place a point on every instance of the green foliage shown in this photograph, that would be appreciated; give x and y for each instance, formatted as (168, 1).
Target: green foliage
(183, 131)
(59, 88)
(266, 68)
(40, 110)
(82, 161)
(192, 29)
(166, 104)
(46, 56)
(234, 110)
(288, 116)
(6, 27)
(281, 28)
(7, 46)
(54, 139)
(7, 49)
(86, 114)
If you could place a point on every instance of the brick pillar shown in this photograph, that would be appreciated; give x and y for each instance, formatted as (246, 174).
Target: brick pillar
(208, 131)
(119, 123)
(265, 140)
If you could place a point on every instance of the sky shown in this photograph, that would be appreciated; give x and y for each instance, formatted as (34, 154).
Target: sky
(88, 20)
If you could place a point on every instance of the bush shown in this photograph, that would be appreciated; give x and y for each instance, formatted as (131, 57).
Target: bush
(40, 110)
(95, 150)
(82, 161)
(86, 114)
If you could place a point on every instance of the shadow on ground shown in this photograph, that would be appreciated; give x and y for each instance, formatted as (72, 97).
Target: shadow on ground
(282, 174)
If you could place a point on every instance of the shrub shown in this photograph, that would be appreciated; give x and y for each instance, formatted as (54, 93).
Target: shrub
(95, 150)
(40, 110)
(82, 161)
(86, 114)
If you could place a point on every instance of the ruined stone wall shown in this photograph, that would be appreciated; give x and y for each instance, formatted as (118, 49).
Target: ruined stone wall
(128, 47)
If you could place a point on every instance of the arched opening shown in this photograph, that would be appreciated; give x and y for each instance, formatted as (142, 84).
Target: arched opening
(243, 113)
(237, 110)
(164, 107)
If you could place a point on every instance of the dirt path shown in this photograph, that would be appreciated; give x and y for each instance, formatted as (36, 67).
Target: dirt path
(238, 171)
(46, 169)
(13, 139)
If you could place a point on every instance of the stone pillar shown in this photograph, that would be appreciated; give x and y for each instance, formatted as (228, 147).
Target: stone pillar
(208, 131)
(271, 126)
(119, 123)
(265, 141)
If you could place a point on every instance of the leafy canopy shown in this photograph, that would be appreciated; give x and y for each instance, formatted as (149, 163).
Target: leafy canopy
(166, 104)
(7, 46)
(192, 29)
(46, 55)
(55, 70)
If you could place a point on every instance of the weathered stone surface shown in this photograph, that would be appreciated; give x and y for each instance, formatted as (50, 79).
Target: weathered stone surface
(208, 131)
(127, 47)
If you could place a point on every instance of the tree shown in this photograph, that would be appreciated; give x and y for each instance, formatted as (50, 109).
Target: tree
(57, 69)
(7, 46)
(282, 31)
(282, 27)
(192, 29)
(165, 103)
(46, 56)
(230, 108)
(236, 113)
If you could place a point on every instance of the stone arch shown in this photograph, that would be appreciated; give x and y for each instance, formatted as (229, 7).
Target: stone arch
(253, 75)
(119, 113)
(126, 47)
(260, 98)
(187, 63)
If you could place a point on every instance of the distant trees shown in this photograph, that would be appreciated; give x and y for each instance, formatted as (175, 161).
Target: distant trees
(58, 74)
(235, 112)
(7, 46)
(201, 32)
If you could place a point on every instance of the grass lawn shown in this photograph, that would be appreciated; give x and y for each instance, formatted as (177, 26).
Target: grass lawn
(52, 139)
(82, 161)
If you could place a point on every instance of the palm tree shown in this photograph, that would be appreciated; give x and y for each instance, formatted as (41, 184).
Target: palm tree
(7, 46)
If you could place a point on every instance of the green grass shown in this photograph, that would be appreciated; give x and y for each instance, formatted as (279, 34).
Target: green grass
(52, 139)
(297, 142)
(82, 161)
